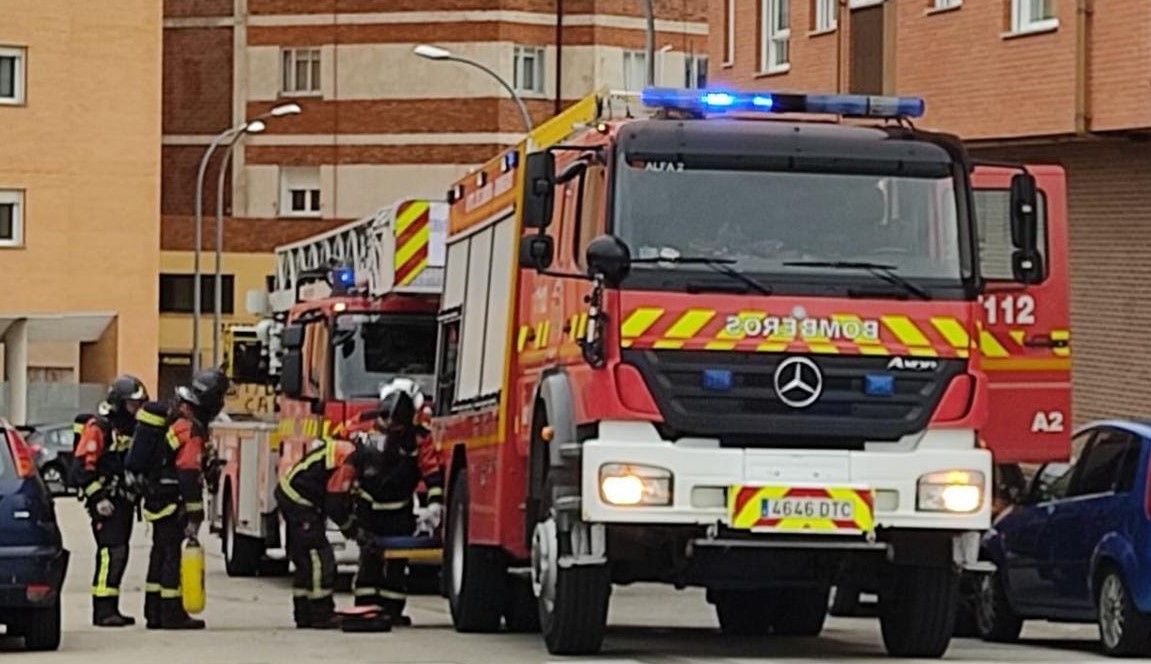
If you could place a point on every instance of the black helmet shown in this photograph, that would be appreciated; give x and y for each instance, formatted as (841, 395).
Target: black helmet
(206, 393)
(400, 400)
(122, 390)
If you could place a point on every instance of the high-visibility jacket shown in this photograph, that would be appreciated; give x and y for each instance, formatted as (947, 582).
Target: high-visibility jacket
(324, 480)
(168, 450)
(406, 457)
(99, 460)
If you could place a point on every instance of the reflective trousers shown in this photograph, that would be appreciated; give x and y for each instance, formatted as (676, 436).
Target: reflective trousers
(163, 580)
(314, 578)
(112, 534)
(381, 581)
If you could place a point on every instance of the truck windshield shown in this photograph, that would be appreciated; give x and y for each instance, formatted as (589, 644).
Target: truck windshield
(770, 222)
(372, 349)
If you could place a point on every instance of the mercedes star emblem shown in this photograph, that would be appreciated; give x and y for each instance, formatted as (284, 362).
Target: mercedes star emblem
(798, 382)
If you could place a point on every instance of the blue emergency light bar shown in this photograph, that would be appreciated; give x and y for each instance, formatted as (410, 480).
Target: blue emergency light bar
(344, 276)
(724, 101)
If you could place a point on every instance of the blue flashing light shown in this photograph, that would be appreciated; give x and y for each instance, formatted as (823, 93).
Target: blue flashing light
(345, 276)
(720, 101)
(718, 380)
(879, 385)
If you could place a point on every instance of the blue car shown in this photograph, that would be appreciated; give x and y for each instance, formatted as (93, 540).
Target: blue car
(33, 559)
(1078, 547)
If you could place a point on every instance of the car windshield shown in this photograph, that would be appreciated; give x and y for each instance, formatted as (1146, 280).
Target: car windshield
(767, 221)
(373, 349)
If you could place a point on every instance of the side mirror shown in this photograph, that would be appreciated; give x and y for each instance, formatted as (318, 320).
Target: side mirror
(1026, 261)
(292, 374)
(293, 337)
(537, 251)
(610, 256)
(539, 190)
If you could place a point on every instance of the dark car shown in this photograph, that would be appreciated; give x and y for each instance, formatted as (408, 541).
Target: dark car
(1078, 547)
(52, 444)
(33, 559)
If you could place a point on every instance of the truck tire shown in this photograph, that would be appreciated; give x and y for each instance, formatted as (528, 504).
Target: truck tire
(743, 612)
(845, 601)
(800, 611)
(41, 628)
(242, 554)
(917, 610)
(1124, 631)
(994, 617)
(476, 575)
(521, 615)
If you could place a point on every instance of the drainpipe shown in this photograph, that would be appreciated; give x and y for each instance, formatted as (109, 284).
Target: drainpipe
(649, 40)
(559, 104)
(1083, 12)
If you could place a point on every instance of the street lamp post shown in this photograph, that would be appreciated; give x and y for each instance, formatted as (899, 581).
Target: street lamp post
(197, 295)
(436, 53)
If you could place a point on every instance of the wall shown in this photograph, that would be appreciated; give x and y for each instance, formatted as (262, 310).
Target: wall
(86, 150)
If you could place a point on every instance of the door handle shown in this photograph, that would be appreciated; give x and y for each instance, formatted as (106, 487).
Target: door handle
(1045, 341)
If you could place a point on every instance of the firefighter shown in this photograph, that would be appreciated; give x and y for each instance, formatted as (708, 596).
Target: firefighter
(406, 455)
(169, 452)
(316, 488)
(103, 440)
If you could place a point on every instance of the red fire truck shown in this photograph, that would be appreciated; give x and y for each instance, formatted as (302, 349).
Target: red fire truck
(352, 308)
(739, 344)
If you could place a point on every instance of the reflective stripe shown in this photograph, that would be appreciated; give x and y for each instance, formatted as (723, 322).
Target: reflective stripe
(299, 592)
(149, 418)
(156, 516)
(391, 594)
(286, 480)
(330, 454)
(320, 594)
(364, 592)
(291, 493)
(173, 440)
(77, 428)
(122, 443)
(317, 574)
(383, 507)
(93, 488)
(103, 568)
(435, 491)
(194, 507)
(170, 593)
(151, 587)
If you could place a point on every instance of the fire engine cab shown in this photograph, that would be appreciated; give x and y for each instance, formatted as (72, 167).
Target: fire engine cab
(734, 342)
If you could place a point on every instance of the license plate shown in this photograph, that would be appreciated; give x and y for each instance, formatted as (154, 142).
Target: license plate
(835, 510)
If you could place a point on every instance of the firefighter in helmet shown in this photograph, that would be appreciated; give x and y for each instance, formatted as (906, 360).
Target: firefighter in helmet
(169, 453)
(404, 456)
(102, 442)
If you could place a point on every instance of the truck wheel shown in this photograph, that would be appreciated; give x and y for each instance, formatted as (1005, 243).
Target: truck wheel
(1123, 630)
(996, 621)
(522, 612)
(573, 601)
(41, 628)
(476, 575)
(242, 553)
(845, 601)
(743, 612)
(800, 611)
(917, 610)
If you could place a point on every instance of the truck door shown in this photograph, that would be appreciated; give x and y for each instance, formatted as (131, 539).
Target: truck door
(1025, 338)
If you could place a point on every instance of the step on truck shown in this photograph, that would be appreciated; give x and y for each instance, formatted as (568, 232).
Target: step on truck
(348, 310)
(736, 343)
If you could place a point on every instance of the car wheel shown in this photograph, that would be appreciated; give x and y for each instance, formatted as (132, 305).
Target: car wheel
(1123, 630)
(41, 628)
(845, 601)
(994, 617)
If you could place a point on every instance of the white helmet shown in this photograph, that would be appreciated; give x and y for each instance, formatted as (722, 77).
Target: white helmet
(396, 393)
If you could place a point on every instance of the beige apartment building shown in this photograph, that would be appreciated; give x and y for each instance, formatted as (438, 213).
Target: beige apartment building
(1042, 81)
(79, 200)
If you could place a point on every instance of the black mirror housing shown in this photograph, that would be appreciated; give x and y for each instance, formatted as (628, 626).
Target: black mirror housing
(1024, 212)
(1027, 267)
(292, 337)
(537, 251)
(609, 256)
(292, 373)
(539, 189)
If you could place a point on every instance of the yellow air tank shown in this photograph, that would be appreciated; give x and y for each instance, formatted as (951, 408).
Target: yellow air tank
(192, 577)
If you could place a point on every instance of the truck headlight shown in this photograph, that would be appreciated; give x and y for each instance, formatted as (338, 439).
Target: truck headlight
(626, 484)
(951, 491)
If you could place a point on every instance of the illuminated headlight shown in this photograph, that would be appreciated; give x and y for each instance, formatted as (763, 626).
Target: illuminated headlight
(625, 484)
(951, 491)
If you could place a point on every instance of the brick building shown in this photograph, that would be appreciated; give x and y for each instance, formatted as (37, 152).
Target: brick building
(1054, 81)
(379, 123)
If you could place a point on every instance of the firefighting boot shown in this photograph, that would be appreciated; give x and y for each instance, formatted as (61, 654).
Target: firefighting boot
(173, 615)
(323, 615)
(106, 614)
(395, 611)
(152, 610)
(302, 612)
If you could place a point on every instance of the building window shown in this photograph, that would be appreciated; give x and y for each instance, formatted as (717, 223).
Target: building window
(728, 32)
(300, 191)
(945, 4)
(301, 71)
(12, 75)
(1033, 15)
(776, 33)
(634, 70)
(11, 218)
(825, 15)
(695, 71)
(177, 294)
(529, 69)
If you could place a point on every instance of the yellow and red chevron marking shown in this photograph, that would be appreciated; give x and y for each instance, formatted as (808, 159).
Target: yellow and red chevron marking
(746, 507)
(413, 234)
(706, 329)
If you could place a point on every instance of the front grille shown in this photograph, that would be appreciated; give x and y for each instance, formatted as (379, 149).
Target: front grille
(751, 414)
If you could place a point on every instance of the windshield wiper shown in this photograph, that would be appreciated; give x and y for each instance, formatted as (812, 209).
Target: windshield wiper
(720, 265)
(879, 270)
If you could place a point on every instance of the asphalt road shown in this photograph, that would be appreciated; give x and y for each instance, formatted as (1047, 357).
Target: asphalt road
(249, 622)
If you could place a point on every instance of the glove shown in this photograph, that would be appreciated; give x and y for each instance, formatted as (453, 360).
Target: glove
(192, 530)
(105, 508)
(430, 519)
(365, 540)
